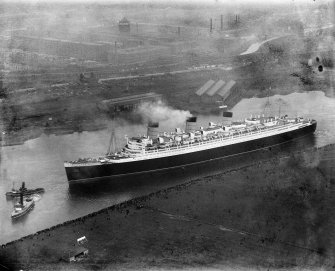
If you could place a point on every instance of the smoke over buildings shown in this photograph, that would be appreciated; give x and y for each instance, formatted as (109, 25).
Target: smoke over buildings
(160, 112)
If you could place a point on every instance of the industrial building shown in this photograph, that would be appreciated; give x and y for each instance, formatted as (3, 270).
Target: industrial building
(13, 58)
(75, 254)
(128, 103)
(124, 25)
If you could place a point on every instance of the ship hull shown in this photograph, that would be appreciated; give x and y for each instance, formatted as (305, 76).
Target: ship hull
(25, 211)
(82, 173)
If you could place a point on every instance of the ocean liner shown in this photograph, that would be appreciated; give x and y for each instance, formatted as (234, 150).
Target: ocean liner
(158, 151)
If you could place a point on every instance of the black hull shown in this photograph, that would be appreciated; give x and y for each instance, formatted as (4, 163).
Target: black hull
(81, 173)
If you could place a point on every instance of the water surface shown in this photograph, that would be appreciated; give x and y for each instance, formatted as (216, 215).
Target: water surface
(39, 162)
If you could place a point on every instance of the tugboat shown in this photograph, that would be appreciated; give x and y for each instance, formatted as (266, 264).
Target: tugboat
(23, 206)
(24, 191)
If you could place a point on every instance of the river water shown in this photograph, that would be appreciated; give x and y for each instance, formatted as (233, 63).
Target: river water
(39, 162)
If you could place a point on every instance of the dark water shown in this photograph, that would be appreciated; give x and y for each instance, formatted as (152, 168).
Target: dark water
(39, 162)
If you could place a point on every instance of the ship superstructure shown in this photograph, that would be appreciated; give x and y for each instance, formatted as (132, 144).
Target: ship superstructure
(161, 150)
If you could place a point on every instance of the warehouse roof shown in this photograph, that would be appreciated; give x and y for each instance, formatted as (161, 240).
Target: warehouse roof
(215, 88)
(133, 98)
(124, 21)
(205, 87)
(226, 88)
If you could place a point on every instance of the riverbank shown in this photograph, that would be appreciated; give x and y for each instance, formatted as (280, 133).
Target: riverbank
(273, 214)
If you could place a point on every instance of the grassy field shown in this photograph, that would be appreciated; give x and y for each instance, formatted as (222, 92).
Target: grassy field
(276, 213)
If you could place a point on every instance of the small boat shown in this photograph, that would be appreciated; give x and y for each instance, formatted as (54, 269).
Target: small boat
(24, 190)
(23, 206)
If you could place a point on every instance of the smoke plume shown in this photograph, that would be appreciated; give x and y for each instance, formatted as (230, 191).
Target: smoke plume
(162, 113)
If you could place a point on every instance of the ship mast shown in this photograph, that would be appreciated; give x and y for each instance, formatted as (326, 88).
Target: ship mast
(112, 145)
(21, 198)
(280, 103)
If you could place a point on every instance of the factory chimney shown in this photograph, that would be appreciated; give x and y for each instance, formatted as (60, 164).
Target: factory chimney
(191, 123)
(221, 22)
(211, 25)
(153, 129)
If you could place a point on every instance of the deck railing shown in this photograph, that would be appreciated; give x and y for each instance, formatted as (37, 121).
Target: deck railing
(194, 145)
